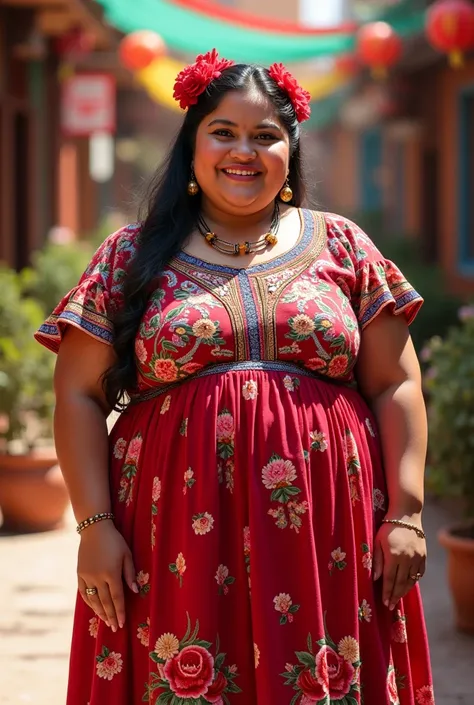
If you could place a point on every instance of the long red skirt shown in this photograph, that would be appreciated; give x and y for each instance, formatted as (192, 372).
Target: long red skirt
(250, 501)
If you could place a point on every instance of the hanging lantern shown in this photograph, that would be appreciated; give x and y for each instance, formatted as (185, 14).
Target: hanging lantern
(347, 64)
(75, 44)
(379, 47)
(138, 49)
(450, 28)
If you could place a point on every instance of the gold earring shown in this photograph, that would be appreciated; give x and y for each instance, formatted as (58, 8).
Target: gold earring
(193, 186)
(286, 194)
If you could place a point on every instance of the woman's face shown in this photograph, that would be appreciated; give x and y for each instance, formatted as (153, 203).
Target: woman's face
(241, 154)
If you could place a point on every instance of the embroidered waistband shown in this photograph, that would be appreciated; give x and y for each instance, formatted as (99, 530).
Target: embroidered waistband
(246, 365)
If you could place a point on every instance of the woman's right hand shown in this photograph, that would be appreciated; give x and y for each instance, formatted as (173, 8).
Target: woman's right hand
(105, 562)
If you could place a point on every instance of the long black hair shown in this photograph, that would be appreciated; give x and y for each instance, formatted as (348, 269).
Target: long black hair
(169, 215)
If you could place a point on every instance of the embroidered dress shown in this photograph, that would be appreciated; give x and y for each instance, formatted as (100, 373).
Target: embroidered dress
(246, 477)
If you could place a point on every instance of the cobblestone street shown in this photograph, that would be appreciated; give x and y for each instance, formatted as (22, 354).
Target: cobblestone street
(37, 597)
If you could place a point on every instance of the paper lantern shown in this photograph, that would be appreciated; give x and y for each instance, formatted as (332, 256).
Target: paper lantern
(450, 28)
(139, 49)
(379, 47)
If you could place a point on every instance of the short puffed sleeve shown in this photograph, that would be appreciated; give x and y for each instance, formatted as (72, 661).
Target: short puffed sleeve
(375, 282)
(91, 304)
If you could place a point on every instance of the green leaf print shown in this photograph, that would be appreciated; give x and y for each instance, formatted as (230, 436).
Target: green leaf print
(309, 644)
(305, 658)
(172, 313)
(166, 345)
(283, 494)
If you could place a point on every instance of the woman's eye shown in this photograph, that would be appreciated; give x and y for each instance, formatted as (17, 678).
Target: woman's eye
(222, 133)
(266, 136)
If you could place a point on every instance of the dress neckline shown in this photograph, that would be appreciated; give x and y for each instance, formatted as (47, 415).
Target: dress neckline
(309, 229)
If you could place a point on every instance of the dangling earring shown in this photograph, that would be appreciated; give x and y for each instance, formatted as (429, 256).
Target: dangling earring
(193, 186)
(286, 194)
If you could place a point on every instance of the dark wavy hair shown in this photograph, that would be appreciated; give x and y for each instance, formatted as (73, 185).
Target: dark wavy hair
(169, 213)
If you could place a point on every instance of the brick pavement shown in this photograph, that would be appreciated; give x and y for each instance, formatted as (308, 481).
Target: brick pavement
(37, 590)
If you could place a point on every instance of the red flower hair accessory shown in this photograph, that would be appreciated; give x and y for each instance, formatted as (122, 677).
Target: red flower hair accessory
(298, 96)
(194, 79)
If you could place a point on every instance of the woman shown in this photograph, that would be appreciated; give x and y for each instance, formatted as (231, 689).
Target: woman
(240, 541)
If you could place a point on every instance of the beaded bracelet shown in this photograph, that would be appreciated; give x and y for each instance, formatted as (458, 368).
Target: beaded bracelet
(406, 525)
(93, 520)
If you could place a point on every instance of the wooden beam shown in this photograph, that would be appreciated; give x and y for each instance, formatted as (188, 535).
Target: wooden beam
(54, 22)
(34, 3)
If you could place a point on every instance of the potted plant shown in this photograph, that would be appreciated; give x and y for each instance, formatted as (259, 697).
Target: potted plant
(449, 383)
(33, 496)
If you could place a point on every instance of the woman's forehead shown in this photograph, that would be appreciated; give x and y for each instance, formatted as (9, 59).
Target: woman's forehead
(247, 108)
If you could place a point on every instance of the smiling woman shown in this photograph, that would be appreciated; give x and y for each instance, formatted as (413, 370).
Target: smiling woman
(251, 530)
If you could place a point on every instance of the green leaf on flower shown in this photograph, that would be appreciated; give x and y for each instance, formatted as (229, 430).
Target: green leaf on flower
(294, 608)
(166, 345)
(305, 658)
(283, 619)
(219, 661)
(173, 567)
(309, 642)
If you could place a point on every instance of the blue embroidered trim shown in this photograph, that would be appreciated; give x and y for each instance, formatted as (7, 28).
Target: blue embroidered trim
(92, 328)
(400, 303)
(251, 315)
(307, 235)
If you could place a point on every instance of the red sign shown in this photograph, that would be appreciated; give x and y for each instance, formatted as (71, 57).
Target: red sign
(88, 104)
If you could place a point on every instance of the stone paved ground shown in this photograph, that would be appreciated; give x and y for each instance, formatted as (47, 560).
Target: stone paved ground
(37, 587)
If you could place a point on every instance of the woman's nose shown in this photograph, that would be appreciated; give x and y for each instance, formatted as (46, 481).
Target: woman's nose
(243, 151)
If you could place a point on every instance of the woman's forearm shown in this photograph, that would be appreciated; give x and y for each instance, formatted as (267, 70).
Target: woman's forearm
(81, 436)
(401, 417)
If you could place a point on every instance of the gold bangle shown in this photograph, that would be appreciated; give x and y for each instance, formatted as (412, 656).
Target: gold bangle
(93, 520)
(406, 525)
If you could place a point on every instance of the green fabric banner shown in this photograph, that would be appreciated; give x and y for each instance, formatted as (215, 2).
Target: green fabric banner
(193, 33)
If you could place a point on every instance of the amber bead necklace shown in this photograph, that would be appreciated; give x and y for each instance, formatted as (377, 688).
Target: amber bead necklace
(241, 248)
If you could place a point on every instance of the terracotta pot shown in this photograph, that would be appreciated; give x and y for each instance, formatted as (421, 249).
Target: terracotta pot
(33, 494)
(459, 543)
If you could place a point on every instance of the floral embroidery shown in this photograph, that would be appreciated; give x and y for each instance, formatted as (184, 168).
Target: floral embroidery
(365, 612)
(284, 605)
(224, 579)
(330, 674)
(178, 568)
(143, 583)
(183, 429)
(278, 476)
(353, 466)
(109, 663)
(129, 469)
(187, 671)
(392, 686)
(143, 633)
(166, 405)
(318, 441)
(399, 629)
(156, 491)
(203, 523)
(225, 432)
(155, 496)
(425, 695)
(247, 549)
(291, 383)
(366, 557)
(256, 653)
(378, 500)
(119, 448)
(189, 480)
(140, 351)
(338, 561)
(250, 390)
(94, 627)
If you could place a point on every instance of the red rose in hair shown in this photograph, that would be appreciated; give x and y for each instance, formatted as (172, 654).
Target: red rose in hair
(298, 96)
(194, 79)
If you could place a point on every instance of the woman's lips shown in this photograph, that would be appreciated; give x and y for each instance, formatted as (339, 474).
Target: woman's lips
(241, 174)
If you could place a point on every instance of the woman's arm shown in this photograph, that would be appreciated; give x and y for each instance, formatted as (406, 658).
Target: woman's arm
(81, 437)
(389, 378)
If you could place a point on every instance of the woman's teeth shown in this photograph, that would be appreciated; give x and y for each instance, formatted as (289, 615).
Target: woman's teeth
(239, 172)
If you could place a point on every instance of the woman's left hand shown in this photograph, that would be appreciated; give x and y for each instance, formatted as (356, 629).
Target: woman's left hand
(400, 556)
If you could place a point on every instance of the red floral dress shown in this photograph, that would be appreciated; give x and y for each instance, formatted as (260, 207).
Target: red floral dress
(247, 478)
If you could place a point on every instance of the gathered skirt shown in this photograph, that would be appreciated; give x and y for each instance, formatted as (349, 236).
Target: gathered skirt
(250, 499)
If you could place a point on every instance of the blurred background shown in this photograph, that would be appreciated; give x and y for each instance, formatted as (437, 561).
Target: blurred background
(87, 114)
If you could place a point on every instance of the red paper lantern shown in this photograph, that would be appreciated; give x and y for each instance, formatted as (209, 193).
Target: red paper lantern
(450, 28)
(138, 49)
(378, 47)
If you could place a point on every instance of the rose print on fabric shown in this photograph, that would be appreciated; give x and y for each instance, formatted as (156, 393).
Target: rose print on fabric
(94, 627)
(256, 654)
(189, 480)
(247, 549)
(337, 561)
(366, 557)
(291, 383)
(203, 523)
(365, 612)
(318, 441)
(225, 431)
(399, 629)
(425, 695)
(143, 583)
(143, 633)
(284, 604)
(392, 686)
(130, 469)
(109, 663)
(119, 448)
(327, 674)
(378, 500)
(250, 390)
(155, 496)
(166, 405)
(188, 672)
(278, 475)
(178, 568)
(224, 579)
(353, 466)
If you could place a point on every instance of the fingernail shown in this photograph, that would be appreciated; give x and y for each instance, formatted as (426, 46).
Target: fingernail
(107, 623)
(392, 607)
(114, 628)
(385, 603)
(121, 624)
(135, 588)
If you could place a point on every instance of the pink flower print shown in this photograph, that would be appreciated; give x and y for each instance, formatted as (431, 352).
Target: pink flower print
(191, 367)
(399, 629)
(256, 654)
(354, 489)
(133, 450)
(143, 633)
(140, 351)
(119, 448)
(295, 510)
(143, 582)
(425, 696)
(250, 390)
(338, 561)
(288, 383)
(379, 500)
(338, 366)
(215, 690)
(334, 673)
(178, 568)
(318, 441)
(365, 612)
(223, 579)
(225, 428)
(156, 489)
(366, 557)
(109, 664)
(166, 405)
(316, 364)
(284, 604)
(246, 540)
(189, 480)
(278, 473)
(165, 370)
(94, 627)
(392, 686)
(153, 535)
(190, 672)
(280, 517)
(202, 523)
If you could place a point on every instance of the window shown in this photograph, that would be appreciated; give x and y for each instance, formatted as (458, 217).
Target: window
(466, 186)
